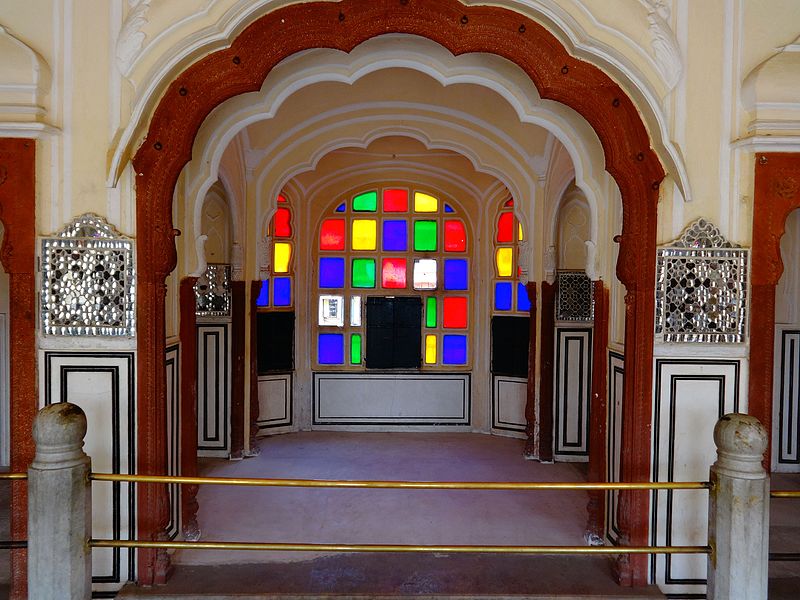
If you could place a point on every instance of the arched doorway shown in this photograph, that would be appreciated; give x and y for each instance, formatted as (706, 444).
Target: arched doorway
(243, 67)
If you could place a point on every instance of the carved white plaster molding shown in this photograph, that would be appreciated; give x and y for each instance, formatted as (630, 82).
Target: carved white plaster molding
(264, 263)
(550, 265)
(665, 47)
(131, 37)
(237, 262)
(524, 261)
(200, 250)
(592, 261)
(25, 78)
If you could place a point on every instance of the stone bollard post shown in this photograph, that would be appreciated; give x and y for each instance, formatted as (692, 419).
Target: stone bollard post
(59, 507)
(739, 511)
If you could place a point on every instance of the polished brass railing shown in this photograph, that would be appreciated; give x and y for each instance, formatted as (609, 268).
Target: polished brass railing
(13, 475)
(785, 494)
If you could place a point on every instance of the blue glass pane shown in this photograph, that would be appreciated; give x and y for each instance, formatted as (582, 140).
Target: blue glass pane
(502, 295)
(454, 350)
(263, 295)
(330, 349)
(331, 272)
(455, 274)
(395, 236)
(448, 208)
(341, 208)
(282, 291)
(523, 304)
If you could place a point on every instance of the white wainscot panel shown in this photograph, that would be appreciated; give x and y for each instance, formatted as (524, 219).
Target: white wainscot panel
(572, 391)
(213, 390)
(509, 397)
(786, 400)
(172, 367)
(274, 402)
(102, 384)
(690, 397)
(387, 399)
(616, 389)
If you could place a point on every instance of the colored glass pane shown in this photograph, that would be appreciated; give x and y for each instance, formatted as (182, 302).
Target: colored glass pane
(395, 235)
(454, 349)
(363, 273)
(520, 237)
(263, 294)
(393, 273)
(395, 200)
(425, 274)
(523, 303)
(331, 272)
(281, 199)
(456, 274)
(366, 202)
(448, 208)
(425, 203)
(331, 311)
(355, 311)
(430, 312)
(455, 236)
(504, 257)
(364, 234)
(282, 291)
(331, 234)
(283, 253)
(425, 236)
(283, 223)
(341, 208)
(509, 203)
(330, 349)
(355, 349)
(454, 312)
(430, 349)
(505, 228)
(502, 295)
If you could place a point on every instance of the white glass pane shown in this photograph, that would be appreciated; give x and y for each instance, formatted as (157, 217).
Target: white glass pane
(355, 311)
(331, 310)
(425, 274)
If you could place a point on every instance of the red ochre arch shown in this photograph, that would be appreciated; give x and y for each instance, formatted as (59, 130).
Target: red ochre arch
(461, 29)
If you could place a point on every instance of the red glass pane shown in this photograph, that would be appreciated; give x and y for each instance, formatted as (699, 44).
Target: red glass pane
(455, 312)
(509, 203)
(281, 199)
(395, 200)
(455, 237)
(393, 273)
(505, 227)
(283, 223)
(331, 235)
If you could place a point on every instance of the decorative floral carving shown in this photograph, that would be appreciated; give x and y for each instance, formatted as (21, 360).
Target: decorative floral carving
(131, 37)
(666, 51)
(785, 188)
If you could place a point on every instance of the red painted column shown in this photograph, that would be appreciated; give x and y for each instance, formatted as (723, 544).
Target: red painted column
(595, 524)
(188, 426)
(549, 291)
(237, 368)
(18, 214)
(530, 404)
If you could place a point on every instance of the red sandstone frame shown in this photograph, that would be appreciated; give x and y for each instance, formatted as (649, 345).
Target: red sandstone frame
(243, 68)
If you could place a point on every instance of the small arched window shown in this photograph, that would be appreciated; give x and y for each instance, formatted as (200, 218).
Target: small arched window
(278, 293)
(510, 295)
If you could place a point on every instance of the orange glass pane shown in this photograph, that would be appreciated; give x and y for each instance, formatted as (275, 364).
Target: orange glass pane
(283, 223)
(393, 273)
(331, 235)
(505, 228)
(504, 258)
(395, 200)
(364, 234)
(455, 237)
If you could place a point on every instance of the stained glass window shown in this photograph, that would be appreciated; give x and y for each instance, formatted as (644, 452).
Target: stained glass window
(510, 295)
(392, 242)
(277, 293)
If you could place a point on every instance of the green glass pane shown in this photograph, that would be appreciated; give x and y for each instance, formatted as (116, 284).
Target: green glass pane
(355, 349)
(424, 236)
(366, 202)
(430, 312)
(363, 272)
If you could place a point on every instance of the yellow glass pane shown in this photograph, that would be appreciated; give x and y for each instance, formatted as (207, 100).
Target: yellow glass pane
(425, 203)
(283, 252)
(521, 236)
(364, 234)
(505, 257)
(430, 349)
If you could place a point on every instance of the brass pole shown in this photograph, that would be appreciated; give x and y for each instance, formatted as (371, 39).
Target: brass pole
(13, 475)
(785, 494)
